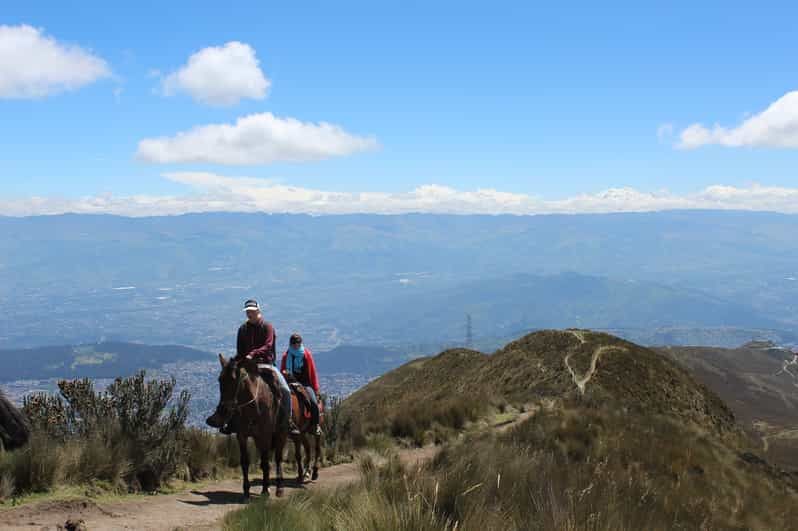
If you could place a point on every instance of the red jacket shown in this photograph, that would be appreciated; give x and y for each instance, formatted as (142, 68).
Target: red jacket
(308, 375)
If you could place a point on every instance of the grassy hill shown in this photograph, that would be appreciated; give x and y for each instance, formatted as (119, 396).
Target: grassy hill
(751, 380)
(543, 366)
(620, 437)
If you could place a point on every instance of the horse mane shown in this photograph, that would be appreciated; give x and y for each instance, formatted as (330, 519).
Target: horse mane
(14, 429)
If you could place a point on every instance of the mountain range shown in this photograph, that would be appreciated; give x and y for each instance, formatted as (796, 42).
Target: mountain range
(76, 279)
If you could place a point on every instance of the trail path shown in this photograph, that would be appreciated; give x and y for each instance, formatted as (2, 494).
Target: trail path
(581, 382)
(200, 508)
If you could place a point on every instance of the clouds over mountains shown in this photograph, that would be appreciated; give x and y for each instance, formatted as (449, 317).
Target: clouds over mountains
(210, 192)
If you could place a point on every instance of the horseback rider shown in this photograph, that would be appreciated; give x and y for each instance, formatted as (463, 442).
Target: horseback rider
(298, 364)
(256, 341)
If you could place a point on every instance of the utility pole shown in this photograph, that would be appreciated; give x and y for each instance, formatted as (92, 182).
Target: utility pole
(469, 332)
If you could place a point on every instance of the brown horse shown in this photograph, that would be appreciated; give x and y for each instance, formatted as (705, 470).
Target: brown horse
(301, 415)
(14, 430)
(245, 393)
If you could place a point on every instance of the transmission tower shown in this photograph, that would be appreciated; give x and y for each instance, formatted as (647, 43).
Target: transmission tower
(469, 331)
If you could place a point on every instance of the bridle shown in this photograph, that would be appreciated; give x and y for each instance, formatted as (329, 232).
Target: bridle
(233, 405)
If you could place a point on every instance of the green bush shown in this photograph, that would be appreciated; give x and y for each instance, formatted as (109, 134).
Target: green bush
(36, 467)
(202, 453)
(130, 437)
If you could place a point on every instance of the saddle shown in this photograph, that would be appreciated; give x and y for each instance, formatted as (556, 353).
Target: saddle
(302, 395)
(266, 372)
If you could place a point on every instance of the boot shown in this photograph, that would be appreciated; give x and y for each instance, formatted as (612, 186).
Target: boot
(287, 422)
(231, 427)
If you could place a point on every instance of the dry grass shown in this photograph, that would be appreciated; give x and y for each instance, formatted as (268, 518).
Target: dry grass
(645, 447)
(572, 469)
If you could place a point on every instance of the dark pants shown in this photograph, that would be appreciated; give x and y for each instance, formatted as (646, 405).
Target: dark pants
(314, 409)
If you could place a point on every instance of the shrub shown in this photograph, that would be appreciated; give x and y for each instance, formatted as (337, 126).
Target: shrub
(36, 467)
(154, 434)
(207, 454)
(130, 437)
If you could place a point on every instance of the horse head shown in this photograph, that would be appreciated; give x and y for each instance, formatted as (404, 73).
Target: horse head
(231, 378)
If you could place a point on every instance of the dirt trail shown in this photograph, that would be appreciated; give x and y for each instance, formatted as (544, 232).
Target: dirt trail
(200, 508)
(581, 382)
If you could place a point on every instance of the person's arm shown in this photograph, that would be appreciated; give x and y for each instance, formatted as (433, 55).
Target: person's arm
(267, 346)
(314, 379)
(282, 362)
(240, 343)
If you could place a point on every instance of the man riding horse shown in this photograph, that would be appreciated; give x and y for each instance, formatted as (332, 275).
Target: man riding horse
(256, 341)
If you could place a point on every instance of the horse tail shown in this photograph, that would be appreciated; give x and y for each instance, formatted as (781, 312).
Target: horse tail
(14, 427)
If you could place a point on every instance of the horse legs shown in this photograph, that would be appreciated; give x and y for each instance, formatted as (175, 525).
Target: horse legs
(279, 444)
(298, 457)
(264, 466)
(306, 447)
(316, 458)
(244, 460)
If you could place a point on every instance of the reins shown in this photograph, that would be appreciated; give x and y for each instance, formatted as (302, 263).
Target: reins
(235, 405)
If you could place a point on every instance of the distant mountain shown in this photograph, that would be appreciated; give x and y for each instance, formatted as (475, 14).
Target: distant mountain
(182, 279)
(365, 361)
(101, 360)
(525, 301)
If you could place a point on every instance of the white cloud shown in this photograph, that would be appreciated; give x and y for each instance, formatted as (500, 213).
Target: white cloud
(220, 75)
(776, 126)
(254, 139)
(34, 65)
(217, 193)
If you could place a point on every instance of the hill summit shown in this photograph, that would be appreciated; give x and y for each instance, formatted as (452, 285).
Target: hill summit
(553, 366)
(612, 435)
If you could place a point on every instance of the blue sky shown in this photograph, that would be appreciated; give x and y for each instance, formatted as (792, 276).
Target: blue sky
(539, 102)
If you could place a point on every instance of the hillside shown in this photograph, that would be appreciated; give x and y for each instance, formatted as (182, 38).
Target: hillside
(751, 379)
(614, 437)
(101, 360)
(589, 367)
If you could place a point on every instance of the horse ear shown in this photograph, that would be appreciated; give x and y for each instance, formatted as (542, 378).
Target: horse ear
(222, 360)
